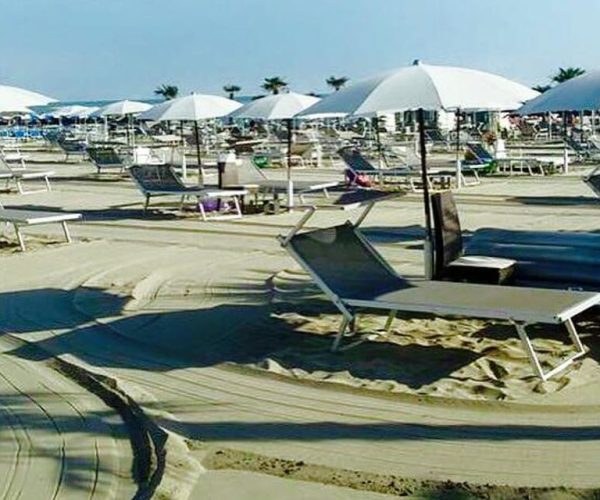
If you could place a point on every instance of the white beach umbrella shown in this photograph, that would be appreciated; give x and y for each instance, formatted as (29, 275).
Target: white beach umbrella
(73, 111)
(123, 108)
(14, 99)
(425, 87)
(279, 107)
(578, 94)
(193, 108)
(275, 107)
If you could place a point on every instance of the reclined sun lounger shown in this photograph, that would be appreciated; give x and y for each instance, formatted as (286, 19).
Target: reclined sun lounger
(106, 158)
(245, 175)
(72, 147)
(409, 175)
(20, 218)
(532, 165)
(161, 180)
(354, 276)
(20, 175)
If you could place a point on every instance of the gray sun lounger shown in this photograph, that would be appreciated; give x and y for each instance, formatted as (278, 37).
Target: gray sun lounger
(106, 158)
(244, 174)
(161, 180)
(22, 218)
(354, 276)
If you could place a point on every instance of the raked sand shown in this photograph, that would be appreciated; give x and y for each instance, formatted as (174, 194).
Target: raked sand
(212, 329)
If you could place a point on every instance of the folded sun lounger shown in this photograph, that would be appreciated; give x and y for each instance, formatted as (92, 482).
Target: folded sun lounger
(161, 180)
(354, 276)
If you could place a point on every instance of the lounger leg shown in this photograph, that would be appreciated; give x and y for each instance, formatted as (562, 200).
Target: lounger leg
(19, 186)
(66, 231)
(581, 350)
(238, 207)
(19, 237)
(47, 181)
(340, 334)
(147, 204)
(326, 193)
(202, 210)
(390, 321)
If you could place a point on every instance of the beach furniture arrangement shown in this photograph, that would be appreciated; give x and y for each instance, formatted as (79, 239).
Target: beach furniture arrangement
(450, 263)
(243, 174)
(355, 277)
(18, 218)
(162, 180)
(19, 175)
(106, 158)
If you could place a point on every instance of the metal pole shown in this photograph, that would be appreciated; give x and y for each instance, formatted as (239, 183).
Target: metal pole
(458, 160)
(428, 243)
(198, 153)
(290, 194)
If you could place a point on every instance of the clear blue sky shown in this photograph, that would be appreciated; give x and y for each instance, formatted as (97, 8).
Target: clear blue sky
(105, 49)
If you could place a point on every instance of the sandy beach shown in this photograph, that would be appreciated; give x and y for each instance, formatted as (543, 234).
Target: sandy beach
(199, 359)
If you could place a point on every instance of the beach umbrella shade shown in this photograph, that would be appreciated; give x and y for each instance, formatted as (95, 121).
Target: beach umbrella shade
(578, 94)
(15, 99)
(73, 111)
(279, 107)
(123, 108)
(421, 87)
(192, 108)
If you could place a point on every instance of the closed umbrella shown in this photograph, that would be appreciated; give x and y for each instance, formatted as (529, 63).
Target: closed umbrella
(194, 107)
(279, 107)
(421, 87)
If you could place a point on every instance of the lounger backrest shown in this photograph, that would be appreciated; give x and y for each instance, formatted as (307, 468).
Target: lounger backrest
(593, 181)
(241, 172)
(104, 156)
(342, 262)
(447, 232)
(479, 152)
(72, 146)
(155, 177)
(355, 161)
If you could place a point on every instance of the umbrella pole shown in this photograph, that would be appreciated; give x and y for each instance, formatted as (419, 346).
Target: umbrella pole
(290, 193)
(183, 159)
(458, 161)
(428, 244)
(198, 153)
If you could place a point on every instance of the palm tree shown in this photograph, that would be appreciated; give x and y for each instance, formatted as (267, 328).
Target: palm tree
(167, 92)
(231, 90)
(274, 84)
(541, 88)
(337, 82)
(565, 74)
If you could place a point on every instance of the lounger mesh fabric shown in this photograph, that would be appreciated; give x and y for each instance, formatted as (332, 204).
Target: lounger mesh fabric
(593, 181)
(104, 156)
(158, 178)
(345, 264)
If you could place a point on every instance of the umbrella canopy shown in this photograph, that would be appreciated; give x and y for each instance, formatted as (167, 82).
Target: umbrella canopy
(193, 107)
(578, 94)
(122, 108)
(73, 111)
(424, 86)
(14, 99)
(275, 107)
